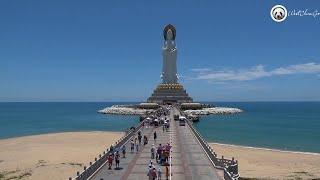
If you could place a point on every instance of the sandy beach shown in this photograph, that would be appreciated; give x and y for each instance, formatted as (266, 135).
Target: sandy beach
(271, 164)
(60, 155)
(51, 156)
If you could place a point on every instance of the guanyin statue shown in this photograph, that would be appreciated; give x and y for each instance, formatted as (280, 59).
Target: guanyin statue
(169, 53)
(169, 91)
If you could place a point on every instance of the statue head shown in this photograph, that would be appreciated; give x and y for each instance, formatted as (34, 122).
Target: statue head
(169, 35)
(166, 32)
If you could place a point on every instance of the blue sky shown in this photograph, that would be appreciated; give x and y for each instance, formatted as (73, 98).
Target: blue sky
(111, 50)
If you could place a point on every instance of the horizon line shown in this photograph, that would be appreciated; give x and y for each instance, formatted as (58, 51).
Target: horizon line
(283, 101)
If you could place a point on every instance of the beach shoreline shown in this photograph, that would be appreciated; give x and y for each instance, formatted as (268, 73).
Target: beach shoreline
(265, 163)
(52, 156)
(61, 155)
(264, 148)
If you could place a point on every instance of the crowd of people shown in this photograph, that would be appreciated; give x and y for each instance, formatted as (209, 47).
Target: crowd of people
(160, 154)
(115, 155)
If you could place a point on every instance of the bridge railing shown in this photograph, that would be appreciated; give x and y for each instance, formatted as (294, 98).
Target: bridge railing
(230, 167)
(101, 160)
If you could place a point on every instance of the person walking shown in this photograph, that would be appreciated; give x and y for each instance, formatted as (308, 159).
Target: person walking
(117, 159)
(154, 173)
(163, 127)
(159, 173)
(155, 135)
(111, 148)
(150, 173)
(167, 173)
(158, 153)
(162, 157)
(123, 151)
(132, 146)
(153, 149)
(145, 140)
(137, 147)
(110, 159)
(139, 138)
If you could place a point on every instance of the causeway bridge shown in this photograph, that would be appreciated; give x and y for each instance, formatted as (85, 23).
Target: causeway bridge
(190, 158)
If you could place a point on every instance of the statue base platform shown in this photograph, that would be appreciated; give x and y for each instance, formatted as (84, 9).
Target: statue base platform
(169, 94)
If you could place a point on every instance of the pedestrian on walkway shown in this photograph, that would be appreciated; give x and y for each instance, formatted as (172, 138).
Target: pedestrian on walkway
(132, 146)
(110, 159)
(149, 174)
(167, 173)
(155, 135)
(123, 151)
(159, 149)
(139, 138)
(145, 140)
(154, 173)
(159, 173)
(111, 148)
(150, 165)
(166, 156)
(137, 147)
(117, 159)
(162, 157)
(153, 150)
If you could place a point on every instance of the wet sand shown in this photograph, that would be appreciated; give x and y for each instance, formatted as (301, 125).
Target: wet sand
(271, 164)
(51, 156)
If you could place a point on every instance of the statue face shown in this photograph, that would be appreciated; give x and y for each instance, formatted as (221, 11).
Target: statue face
(169, 34)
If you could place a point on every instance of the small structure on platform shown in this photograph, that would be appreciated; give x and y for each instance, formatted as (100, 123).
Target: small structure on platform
(148, 106)
(169, 91)
(193, 106)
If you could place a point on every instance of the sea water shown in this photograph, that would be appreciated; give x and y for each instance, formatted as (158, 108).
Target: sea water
(20, 119)
(291, 126)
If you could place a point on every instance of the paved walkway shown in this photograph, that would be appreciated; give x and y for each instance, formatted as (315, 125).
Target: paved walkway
(188, 159)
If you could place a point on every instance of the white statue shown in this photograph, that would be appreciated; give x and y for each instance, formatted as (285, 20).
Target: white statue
(169, 53)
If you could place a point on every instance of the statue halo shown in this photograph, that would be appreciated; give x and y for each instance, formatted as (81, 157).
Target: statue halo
(165, 30)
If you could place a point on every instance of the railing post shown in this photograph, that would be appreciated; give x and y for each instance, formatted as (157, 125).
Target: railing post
(236, 171)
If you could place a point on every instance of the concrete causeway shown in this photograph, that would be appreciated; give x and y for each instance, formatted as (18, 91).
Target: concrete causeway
(189, 160)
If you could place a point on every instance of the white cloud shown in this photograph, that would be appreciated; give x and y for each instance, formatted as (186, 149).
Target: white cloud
(255, 72)
(201, 70)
